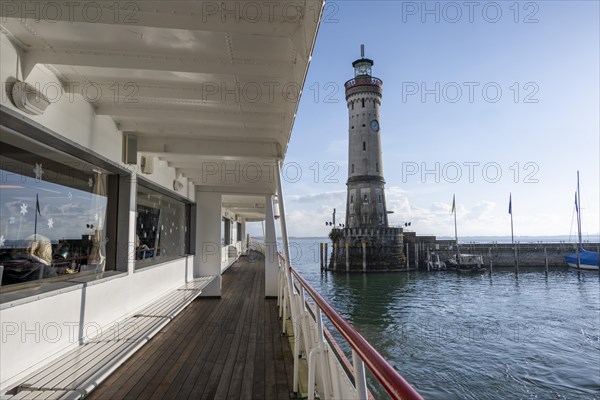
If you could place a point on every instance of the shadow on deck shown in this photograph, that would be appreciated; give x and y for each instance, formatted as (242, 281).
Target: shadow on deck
(227, 348)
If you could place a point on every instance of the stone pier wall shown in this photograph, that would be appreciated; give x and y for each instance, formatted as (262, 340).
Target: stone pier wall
(502, 255)
(366, 250)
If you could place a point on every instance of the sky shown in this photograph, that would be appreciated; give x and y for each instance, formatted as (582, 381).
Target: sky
(478, 101)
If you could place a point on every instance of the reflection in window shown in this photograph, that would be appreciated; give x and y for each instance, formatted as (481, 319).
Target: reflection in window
(162, 227)
(53, 214)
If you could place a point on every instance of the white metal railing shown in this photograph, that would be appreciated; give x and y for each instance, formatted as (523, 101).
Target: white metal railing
(326, 374)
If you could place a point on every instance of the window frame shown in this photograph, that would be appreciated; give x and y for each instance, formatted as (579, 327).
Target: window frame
(118, 185)
(189, 211)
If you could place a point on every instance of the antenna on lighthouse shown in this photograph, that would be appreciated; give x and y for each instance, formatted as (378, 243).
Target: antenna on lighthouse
(362, 51)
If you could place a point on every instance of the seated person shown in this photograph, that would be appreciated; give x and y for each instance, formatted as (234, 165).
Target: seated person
(35, 263)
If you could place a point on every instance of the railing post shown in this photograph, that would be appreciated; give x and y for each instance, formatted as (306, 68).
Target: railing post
(323, 354)
(360, 379)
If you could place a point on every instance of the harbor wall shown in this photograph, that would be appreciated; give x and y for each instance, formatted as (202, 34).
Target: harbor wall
(502, 255)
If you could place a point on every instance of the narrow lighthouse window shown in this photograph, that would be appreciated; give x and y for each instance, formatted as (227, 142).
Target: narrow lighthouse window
(363, 103)
(364, 146)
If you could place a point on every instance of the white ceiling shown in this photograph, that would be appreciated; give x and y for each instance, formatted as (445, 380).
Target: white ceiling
(200, 88)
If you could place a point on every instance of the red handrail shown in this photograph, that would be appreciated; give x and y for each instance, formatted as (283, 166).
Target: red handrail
(392, 381)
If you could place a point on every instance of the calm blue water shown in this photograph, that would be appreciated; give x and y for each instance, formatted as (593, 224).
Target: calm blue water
(472, 336)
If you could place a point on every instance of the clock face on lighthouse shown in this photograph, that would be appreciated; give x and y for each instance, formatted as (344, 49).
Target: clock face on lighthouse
(375, 125)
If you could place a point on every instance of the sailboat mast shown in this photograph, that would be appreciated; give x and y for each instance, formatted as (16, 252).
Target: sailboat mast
(456, 238)
(579, 210)
(578, 222)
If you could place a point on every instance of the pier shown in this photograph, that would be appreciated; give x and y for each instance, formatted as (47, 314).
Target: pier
(416, 249)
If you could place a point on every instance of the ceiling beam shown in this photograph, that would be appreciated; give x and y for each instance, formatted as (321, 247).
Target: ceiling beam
(163, 114)
(156, 62)
(259, 18)
(264, 190)
(221, 149)
(267, 96)
(147, 128)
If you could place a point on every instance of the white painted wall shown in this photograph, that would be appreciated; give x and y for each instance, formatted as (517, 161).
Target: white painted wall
(208, 240)
(37, 331)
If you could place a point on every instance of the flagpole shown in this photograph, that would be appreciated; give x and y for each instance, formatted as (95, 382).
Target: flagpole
(37, 207)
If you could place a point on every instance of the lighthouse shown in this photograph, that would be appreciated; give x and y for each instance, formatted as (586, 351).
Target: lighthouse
(365, 204)
(366, 242)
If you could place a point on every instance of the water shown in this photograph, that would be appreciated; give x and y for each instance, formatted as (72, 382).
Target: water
(472, 336)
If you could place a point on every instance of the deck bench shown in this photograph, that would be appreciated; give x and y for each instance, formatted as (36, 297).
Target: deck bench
(75, 374)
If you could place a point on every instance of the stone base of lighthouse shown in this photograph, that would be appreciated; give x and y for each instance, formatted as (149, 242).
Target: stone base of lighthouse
(367, 250)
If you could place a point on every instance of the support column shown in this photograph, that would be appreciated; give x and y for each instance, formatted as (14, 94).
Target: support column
(131, 229)
(271, 260)
(208, 240)
(244, 237)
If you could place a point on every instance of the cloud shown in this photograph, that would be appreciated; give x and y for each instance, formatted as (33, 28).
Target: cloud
(482, 211)
(319, 198)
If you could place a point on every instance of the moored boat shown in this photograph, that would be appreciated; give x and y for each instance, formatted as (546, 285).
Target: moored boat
(582, 258)
(467, 262)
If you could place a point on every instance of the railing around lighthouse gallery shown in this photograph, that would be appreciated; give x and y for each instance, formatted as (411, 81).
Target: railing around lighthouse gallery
(362, 81)
(323, 355)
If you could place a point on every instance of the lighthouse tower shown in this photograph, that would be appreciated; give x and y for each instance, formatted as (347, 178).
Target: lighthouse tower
(365, 204)
(366, 242)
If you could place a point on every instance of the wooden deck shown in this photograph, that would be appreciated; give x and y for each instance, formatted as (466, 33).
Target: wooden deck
(227, 348)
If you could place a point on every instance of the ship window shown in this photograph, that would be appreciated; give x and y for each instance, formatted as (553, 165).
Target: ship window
(54, 221)
(363, 103)
(364, 146)
(162, 227)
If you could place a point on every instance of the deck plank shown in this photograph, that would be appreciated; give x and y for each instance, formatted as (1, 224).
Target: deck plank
(226, 348)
